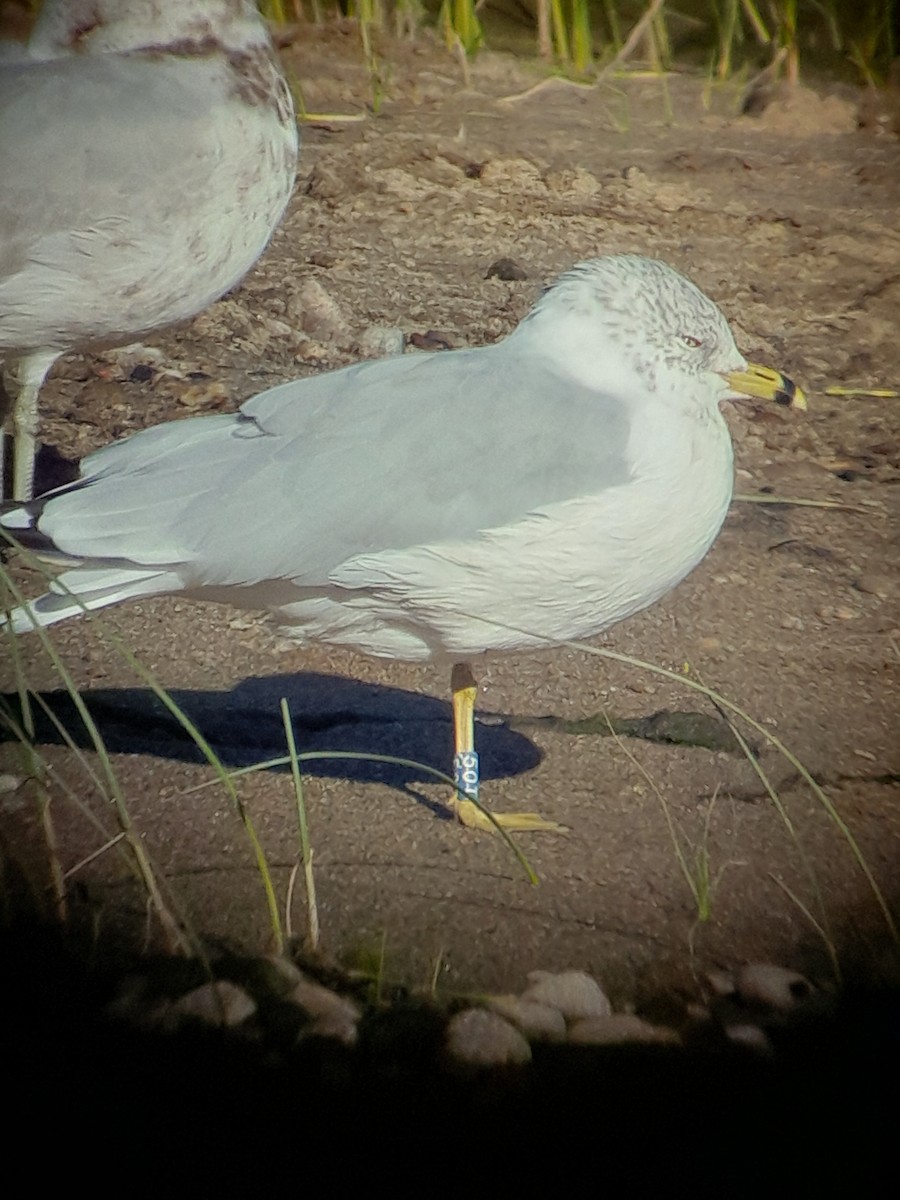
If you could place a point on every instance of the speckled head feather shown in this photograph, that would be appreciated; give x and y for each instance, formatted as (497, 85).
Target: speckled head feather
(651, 319)
(115, 26)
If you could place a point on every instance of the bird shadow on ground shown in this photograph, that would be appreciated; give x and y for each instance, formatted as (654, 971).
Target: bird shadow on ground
(244, 726)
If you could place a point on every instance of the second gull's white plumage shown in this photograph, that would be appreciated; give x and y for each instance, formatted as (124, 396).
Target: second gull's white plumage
(147, 152)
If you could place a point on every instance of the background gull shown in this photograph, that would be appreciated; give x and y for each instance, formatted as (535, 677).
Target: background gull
(148, 151)
(507, 497)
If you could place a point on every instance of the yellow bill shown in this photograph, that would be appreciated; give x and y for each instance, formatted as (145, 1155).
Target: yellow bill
(767, 384)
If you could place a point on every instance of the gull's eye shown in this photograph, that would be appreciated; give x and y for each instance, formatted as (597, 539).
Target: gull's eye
(691, 342)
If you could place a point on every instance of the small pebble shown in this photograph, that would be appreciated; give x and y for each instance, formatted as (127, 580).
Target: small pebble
(750, 1036)
(126, 359)
(334, 1027)
(323, 258)
(844, 612)
(575, 994)
(506, 268)
(536, 1021)
(429, 341)
(320, 1002)
(380, 341)
(721, 982)
(203, 395)
(242, 623)
(874, 585)
(217, 1003)
(316, 312)
(286, 970)
(484, 1039)
(618, 1028)
(776, 987)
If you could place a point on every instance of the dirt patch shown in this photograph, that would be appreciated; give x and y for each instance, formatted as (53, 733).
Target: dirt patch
(789, 223)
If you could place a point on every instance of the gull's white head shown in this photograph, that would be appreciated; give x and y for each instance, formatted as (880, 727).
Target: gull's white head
(636, 323)
(115, 26)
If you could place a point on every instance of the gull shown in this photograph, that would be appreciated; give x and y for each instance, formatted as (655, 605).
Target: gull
(501, 498)
(147, 152)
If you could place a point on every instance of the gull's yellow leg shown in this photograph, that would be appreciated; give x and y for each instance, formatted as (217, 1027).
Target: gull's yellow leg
(465, 758)
(465, 764)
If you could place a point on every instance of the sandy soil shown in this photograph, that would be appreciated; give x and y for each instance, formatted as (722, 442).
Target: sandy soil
(788, 219)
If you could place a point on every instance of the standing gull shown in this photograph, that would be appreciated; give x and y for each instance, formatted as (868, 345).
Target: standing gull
(147, 152)
(508, 497)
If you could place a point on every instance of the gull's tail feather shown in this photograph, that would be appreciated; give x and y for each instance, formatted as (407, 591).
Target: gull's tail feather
(87, 585)
(19, 524)
(87, 588)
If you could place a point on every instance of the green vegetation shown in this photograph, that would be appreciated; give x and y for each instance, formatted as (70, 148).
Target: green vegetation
(580, 37)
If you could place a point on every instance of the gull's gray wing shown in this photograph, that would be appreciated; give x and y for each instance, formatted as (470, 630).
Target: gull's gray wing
(385, 455)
